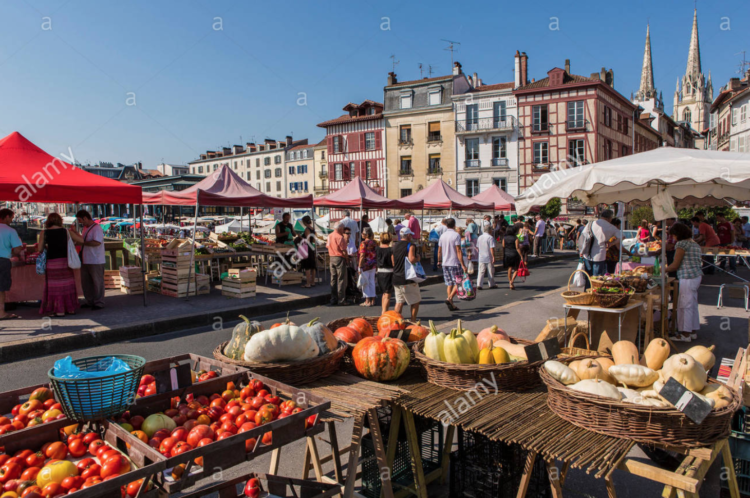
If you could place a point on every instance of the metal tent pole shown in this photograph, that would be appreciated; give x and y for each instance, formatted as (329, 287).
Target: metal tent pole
(662, 266)
(144, 267)
(192, 253)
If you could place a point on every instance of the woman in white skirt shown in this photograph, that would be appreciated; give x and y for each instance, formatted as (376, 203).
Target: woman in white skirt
(687, 264)
(368, 262)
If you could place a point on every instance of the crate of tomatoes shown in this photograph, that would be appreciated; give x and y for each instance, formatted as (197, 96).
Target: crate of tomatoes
(23, 409)
(203, 428)
(256, 485)
(88, 461)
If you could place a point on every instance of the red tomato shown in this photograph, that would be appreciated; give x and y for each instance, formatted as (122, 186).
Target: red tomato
(272, 408)
(256, 385)
(162, 433)
(93, 470)
(257, 402)
(17, 460)
(115, 467)
(224, 435)
(250, 444)
(227, 417)
(9, 471)
(165, 448)
(77, 448)
(52, 489)
(267, 438)
(90, 438)
(273, 399)
(263, 417)
(180, 448)
(3, 459)
(83, 464)
(310, 421)
(72, 482)
(23, 453)
(263, 393)
(246, 392)
(229, 426)
(218, 402)
(30, 474)
(32, 492)
(199, 433)
(95, 445)
(180, 434)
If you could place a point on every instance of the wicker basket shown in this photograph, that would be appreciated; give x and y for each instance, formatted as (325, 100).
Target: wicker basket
(519, 376)
(294, 373)
(605, 300)
(578, 298)
(333, 325)
(571, 350)
(644, 424)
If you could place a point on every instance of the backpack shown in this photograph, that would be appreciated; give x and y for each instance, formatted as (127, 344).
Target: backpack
(586, 240)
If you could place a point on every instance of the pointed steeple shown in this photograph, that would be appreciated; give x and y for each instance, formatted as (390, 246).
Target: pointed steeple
(694, 54)
(647, 89)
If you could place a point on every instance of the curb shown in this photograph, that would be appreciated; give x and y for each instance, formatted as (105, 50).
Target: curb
(98, 336)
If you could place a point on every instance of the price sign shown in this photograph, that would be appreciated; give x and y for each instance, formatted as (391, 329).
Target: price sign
(173, 378)
(542, 351)
(685, 400)
(399, 334)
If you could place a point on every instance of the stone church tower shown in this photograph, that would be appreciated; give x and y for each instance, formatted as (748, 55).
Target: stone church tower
(647, 97)
(694, 93)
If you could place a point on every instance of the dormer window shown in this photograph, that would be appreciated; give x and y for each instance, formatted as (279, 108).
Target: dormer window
(370, 111)
(434, 95)
(406, 100)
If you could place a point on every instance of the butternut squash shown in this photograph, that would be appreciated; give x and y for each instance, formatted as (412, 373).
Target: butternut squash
(512, 349)
(656, 354)
(703, 355)
(686, 370)
(719, 393)
(625, 353)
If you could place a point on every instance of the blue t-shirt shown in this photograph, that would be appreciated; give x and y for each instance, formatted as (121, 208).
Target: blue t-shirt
(8, 240)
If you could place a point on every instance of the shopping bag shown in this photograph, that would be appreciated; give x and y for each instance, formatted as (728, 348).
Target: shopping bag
(465, 289)
(303, 250)
(413, 271)
(74, 262)
(523, 270)
(41, 263)
(579, 281)
(360, 281)
(470, 269)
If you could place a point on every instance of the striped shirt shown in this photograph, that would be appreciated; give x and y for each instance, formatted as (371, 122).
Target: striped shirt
(690, 267)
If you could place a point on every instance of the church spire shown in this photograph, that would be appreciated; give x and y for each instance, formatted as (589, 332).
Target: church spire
(694, 55)
(647, 89)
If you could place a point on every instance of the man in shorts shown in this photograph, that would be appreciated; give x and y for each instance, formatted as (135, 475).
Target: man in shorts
(10, 245)
(407, 292)
(451, 259)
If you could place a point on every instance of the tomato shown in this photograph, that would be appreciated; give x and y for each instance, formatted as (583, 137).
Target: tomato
(18, 424)
(147, 379)
(7, 428)
(180, 448)
(3, 459)
(162, 434)
(310, 421)
(250, 444)
(30, 406)
(115, 467)
(215, 413)
(227, 395)
(203, 442)
(165, 448)
(52, 489)
(199, 433)
(275, 400)
(51, 414)
(17, 460)
(77, 448)
(257, 402)
(10, 470)
(83, 464)
(219, 403)
(92, 482)
(256, 385)
(267, 438)
(94, 446)
(30, 474)
(203, 420)
(180, 434)
(246, 392)
(224, 435)
(263, 393)
(32, 492)
(272, 408)
(90, 438)
(252, 488)
(71, 482)
(229, 426)
(93, 470)
(110, 453)
(263, 417)
(134, 487)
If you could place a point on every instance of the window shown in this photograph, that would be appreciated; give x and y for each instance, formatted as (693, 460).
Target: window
(712, 121)
(370, 140)
(472, 187)
(370, 111)
(405, 192)
(257, 174)
(501, 182)
(405, 165)
(434, 164)
(257, 162)
(352, 170)
(499, 151)
(302, 169)
(472, 152)
(607, 149)
(277, 172)
(539, 117)
(235, 165)
(575, 114)
(278, 186)
(404, 134)
(216, 166)
(266, 161)
(433, 132)
(743, 113)
(406, 101)
(337, 144)
(258, 187)
(368, 170)
(277, 160)
(292, 187)
(732, 145)
(268, 186)
(541, 153)
(576, 152)
(687, 116)
(267, 173)
(472, 116)
(607, 116)
(200, 169)
(498, 112)
(338, 171)
(291, 170)
(735, 112)
(435, 97)
(742, 144)
(323, 155)
(304, 154)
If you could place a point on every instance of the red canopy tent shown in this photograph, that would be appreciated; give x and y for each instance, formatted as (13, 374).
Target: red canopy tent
(28, 174)
(498, 197)
(358, 194)
(440, 195)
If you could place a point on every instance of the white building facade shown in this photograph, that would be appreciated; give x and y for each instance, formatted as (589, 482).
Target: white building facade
(739, 130)
(300, 170)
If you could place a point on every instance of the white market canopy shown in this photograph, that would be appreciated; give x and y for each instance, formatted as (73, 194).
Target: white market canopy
(689, 175)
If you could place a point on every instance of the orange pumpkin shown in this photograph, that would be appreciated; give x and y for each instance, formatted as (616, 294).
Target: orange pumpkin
(381, 358)
(386, 320)
(490, 335)
(348, 334)
(417, 332)
(362, 326)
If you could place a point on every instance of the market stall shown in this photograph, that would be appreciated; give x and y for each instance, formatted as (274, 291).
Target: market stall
(498, 197)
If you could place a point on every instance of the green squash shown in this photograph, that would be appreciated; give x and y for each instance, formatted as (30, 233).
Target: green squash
(322, 335)
(235, 348)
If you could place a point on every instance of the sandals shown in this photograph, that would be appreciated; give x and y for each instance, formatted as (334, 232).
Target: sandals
(10, 316)
(451, 306)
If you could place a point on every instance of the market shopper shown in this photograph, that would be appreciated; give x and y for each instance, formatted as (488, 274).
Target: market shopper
(93, 259)
(352, 225)
(309, 264)
(511, 254)
(385, 269)
(540, 229)
(451, 259)
(413, 223)
(613, 251)
(644, 234)
(486, 257)
(727, 236)
(602, 233)
(687, 264)
(367, 265)
(706, 238)
(391, 230)
(339, 259)
(439, 230)
(10, 245)
(60, 294)
(285, 231)
(407, 292)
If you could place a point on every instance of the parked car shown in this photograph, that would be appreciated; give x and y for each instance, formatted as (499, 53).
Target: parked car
(629, 239)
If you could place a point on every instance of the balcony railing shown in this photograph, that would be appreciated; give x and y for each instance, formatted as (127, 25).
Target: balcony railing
(406, 172)
(542, 166)
(485, 124)
(434, 137)
(472, 163)
(435, 171)
(323, 174)
(576, 124)
(501, 162)
(405, 141)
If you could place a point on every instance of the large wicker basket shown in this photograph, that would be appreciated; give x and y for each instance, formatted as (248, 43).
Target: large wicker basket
(606, 300)
(576, 298)
(644, 424)
(333, 325)
(518, 376)
(294, 373)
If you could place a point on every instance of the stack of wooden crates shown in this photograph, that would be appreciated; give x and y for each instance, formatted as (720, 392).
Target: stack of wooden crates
(112, 279)
(175, 269)
(240, 283)
(131, 280)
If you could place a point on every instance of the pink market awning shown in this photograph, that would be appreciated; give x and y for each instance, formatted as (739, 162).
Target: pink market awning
(498, 197)
(357, 193)
(440, 195)
(224, 187)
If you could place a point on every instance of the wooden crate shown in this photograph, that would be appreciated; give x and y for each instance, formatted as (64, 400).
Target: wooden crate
(235, 288)
(243, 275)
(289, 278)
(202, 283)
(276, 486)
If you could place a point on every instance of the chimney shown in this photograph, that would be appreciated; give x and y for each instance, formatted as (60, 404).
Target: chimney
(457, 68)
(517, 70)
(227, 151)
(475, 81)
(524, 68)
(603, 74)
(238, 149)
(392, 78)
(288, 140)
(734, 83)
(471, 81)
(567, 66)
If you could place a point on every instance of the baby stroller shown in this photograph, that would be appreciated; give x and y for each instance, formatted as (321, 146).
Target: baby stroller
(353, 293)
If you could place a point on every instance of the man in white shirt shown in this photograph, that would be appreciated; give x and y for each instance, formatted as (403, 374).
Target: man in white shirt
(604, 233)
(451, 259)
(92, 260)
(486, 246)
(352, 225)
(440, 230)
(541, 226)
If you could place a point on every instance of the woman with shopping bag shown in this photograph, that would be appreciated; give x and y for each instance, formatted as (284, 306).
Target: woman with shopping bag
(60, 293)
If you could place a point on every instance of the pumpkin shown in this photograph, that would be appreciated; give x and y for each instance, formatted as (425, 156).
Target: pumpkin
(434, 344)
(512, 349)
(283, 343)
(629, 395)
(591, 369)
(656, 354)
(348, 334)
(322, 335)
(285, 322)
(625, 353)
(703, 355)
(633, 375)
(457, 349)
(384, 322)
(573, 365)
(417, 332)
(598, 388)
(381, 358)
(719, 394)
(241, 333)
(686, 370)
(606, 363)
(490, 335)
(493, 356)
(560, 372)
(471, 340)
(362, 326)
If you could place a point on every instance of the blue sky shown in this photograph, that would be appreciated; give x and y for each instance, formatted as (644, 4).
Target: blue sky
(205, 73)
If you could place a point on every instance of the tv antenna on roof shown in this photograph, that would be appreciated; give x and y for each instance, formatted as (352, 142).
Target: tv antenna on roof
(421, 70)
(450, 47)
(744, 64)
(394, 62)
(430, 70)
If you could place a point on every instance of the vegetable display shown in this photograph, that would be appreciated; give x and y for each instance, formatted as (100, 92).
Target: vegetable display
(241, 333)
(381, 358)
(285, 342)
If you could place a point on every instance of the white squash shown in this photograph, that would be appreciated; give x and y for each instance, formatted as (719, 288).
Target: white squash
(655, 402)
(686, 370)
(597, 388)
(703, 355)
(719, 393)
(560, 372)
(283, 343)
(653, 394)
(633, 375)
(629, 395)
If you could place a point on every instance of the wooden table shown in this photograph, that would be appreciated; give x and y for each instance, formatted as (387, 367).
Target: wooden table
(28, 285)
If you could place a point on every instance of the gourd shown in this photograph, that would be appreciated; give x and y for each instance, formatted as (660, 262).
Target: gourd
(493, 356)
(457, 349)
(362, 326)
(434, 344)
(322, 335)
(652, 393)
(283, 343)
(629, 395)
(590, 369)
(598, 388)
(625, 353)
(241, 333)
(348, 335)
(561, 372)
(573, 365)
(686, 370)
(656, 354)
(490, 335)
(703, 355)
(658, 403)
(417, 332)
(719, 393)
(471, 340)
(384, 322)
(512, 349)
(633, 375)
(381, 358)
(606, 363)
